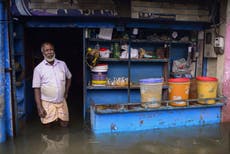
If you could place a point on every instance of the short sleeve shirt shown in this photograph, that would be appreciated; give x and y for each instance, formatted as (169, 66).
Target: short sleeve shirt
(51, 79)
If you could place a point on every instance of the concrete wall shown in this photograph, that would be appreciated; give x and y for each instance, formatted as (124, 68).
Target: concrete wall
(225, 29)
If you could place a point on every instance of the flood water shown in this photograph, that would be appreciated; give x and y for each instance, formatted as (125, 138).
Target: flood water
(78, 139)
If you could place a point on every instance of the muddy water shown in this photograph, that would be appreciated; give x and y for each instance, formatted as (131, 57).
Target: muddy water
(34, 139)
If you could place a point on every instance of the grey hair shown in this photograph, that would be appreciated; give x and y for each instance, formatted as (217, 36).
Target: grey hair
(46, 43)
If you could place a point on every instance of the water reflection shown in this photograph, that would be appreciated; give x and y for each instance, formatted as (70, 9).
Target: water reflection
(212, 139)
(55, 143)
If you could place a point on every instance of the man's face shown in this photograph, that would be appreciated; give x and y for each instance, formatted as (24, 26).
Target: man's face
(48, 52)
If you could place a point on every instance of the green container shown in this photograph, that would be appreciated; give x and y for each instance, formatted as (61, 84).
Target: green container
(116, 50)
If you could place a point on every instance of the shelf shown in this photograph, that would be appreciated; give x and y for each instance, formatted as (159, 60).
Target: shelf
(18, 38)
(149, 60)
(136, 68)
(133, 60)
(136, 107)
(162, 41)
(182, 42)
(136, 86)
(107, 87)
(18, 53)
(110, 41)
(18, 83)
(21, 114)
(118, 87)
(113, 60)
(149, 41)
(19, 99)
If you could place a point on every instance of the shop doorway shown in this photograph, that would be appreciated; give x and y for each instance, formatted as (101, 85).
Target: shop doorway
(68, 44)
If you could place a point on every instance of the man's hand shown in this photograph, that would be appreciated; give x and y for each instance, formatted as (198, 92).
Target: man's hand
(66, 95)
(41, 112)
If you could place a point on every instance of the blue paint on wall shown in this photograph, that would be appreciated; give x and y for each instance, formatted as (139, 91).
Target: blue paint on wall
(2, 77)
(2, 130)
(69, 24)
(8, 101)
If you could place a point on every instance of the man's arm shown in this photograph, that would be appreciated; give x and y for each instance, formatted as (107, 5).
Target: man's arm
(67, 86)
(37, 95)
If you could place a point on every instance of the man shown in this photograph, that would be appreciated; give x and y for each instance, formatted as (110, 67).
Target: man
(51, 83)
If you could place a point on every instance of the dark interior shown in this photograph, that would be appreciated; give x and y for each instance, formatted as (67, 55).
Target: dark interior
(68, 47)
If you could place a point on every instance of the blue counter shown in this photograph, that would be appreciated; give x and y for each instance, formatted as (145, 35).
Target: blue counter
(124, 118)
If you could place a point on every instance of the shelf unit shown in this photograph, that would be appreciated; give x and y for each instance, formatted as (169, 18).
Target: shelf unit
(19, 67)
(132, 68)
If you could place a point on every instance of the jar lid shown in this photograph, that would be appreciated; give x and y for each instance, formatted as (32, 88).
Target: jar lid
(151, 80)
(103, 49)
(179, 80)
(102, 65)
(206, 78)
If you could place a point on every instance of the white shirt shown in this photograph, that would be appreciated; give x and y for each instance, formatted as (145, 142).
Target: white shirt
(51, 79)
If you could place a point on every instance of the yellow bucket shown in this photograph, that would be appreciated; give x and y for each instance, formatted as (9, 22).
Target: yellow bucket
(207, 88)
(178, 89)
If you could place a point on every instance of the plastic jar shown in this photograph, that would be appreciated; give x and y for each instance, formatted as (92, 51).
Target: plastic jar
(207, 88)
(151, 92)
(178, 89)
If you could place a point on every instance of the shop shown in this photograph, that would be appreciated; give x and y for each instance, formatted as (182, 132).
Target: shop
(115, 51)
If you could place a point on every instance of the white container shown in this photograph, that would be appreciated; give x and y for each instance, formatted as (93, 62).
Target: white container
(151, 92)
(104, 52)
(100, 68)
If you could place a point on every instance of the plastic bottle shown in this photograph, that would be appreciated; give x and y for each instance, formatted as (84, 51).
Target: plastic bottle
(97, 46)
(116, 51)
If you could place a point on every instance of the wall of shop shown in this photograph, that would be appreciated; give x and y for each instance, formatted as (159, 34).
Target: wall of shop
(224, 62)
(213, 66)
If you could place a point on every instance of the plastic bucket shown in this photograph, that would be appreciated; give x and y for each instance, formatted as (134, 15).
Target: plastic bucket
(99, 75)
(151, 92)
(207, 88)
(178, 90)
